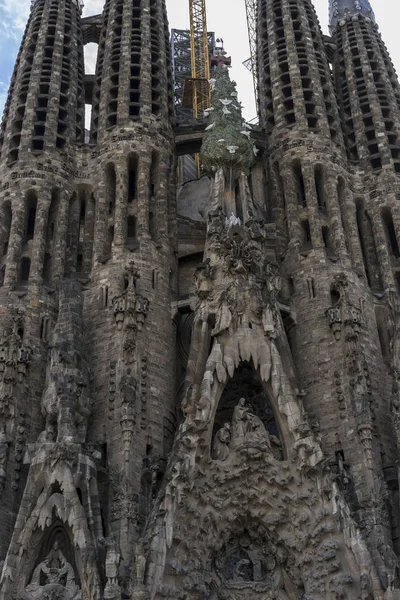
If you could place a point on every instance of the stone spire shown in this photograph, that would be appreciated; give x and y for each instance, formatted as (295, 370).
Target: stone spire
(341, 9)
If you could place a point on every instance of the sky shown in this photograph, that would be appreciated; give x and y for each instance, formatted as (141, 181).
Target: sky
(226, 17)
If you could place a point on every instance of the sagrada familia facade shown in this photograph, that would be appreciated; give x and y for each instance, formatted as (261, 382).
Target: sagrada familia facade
(200, 383)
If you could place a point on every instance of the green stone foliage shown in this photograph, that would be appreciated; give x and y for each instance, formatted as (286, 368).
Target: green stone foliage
(226, 143)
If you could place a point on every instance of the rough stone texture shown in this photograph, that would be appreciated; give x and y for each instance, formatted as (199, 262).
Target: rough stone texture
(200, 388)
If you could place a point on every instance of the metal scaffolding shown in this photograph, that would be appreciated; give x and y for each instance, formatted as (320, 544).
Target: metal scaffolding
(251, 63)
(182, 68)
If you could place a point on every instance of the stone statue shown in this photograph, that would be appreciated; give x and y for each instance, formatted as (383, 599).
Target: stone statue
(58, 575)
(112, 563)
(203, 276)
(248, 431)
(239, 423)
(140, 562)
(221, 442)
(391, 563)
(255, 432)
(49, 435)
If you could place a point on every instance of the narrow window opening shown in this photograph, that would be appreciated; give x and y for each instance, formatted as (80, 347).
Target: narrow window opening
(104, 296)
(31, 207)
(132, 179)
(319, 188)
(300, 187)
(46, 267)
(45, 328)
(111, 188)
(391, 233)
(131, 232)
(307, 244)
(325, 237)
(79, 263)
(311, 288)
(335, 297)
(25, 269)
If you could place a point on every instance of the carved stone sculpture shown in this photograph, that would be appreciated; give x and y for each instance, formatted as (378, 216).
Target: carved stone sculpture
(53, 578)
(221, 442)
(391, 563)
(112, 590)
(248, 431)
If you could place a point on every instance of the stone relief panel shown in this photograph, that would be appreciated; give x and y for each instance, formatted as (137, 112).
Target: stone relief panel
(247, 565)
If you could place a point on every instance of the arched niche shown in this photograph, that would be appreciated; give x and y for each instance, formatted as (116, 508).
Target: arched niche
(246, 383)
(58, 534)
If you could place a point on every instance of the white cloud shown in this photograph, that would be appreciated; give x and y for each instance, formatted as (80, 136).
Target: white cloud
(13, 17)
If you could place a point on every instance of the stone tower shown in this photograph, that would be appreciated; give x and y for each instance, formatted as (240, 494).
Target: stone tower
(200, 384)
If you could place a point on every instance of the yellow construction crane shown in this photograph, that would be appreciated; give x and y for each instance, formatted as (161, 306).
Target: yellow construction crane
(196, 91)
(200, 57)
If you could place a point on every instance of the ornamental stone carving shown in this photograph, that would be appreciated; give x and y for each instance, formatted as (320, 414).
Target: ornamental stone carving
(53, 579)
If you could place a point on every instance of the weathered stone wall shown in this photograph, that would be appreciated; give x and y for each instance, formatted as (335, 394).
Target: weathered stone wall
(134, 319)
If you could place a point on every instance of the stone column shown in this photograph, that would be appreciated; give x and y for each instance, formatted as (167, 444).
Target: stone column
(40, 237)
(292, 212)
(73, 233)
(60, 239)
(15, 244)
(121, 205)
(100, 226)
(385, 264)
(5, 226)
(88, 234)
(162, 202)
(312, 205)
(143, 195)
(335, 217)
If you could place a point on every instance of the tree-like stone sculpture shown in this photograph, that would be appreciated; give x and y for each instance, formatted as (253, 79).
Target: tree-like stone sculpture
(226, 143)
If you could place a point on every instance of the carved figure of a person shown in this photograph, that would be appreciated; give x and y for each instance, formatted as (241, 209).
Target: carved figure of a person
(221, 442)
(140, 562)
(188, 407)
(203, 276)
(255, 431)
(49, 435)
(112, 563)
(55, 568)
(391, 563)
(239, 424)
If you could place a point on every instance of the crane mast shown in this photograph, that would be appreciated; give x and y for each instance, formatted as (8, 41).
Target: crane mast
(200, 57)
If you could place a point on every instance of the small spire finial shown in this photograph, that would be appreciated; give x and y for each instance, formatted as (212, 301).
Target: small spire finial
(340, 9)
